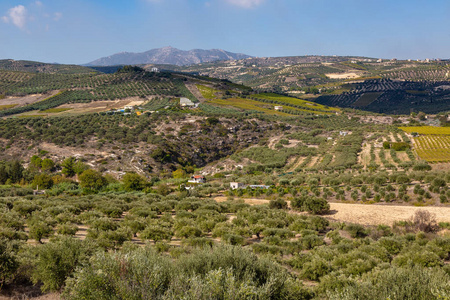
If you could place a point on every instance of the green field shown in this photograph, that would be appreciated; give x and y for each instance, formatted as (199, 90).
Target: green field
(55, 110)
(299, 103)
(207, 92)
(3, 107)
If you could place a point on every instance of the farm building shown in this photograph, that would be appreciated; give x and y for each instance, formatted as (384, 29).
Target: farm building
(257, 186)
(278, 107)
(186, 102)
(197, 179)
(236, 185)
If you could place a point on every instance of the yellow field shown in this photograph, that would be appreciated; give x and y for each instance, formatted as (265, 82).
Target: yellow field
(3, 107)
(207, 92)
(427, 130)
(433, 148)
(247, 105)
(307, 105)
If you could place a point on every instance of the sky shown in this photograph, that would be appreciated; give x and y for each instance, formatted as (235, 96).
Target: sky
(80, 31)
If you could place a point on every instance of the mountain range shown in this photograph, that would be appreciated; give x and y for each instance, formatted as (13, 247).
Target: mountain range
(167, 55)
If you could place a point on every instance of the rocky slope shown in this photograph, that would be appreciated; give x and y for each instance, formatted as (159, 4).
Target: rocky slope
(168, 55)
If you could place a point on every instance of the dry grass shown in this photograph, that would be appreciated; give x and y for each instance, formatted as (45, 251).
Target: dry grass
(369, 214)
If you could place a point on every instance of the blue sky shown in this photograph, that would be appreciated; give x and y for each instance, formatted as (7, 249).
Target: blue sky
(79, 31)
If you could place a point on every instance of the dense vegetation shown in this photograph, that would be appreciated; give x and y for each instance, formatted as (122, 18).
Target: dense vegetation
(193, 247)
(102, 206)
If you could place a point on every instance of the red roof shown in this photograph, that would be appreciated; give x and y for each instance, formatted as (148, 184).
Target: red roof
(198, 176)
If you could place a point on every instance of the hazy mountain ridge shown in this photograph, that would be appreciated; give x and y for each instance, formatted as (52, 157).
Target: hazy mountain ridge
(168, 55)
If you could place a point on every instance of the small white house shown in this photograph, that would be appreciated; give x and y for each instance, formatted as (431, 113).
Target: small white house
(129, 107)
(197, 179)
(236, 185)
(278, 107)
(186, 102)
(343, 133)
(155, 69)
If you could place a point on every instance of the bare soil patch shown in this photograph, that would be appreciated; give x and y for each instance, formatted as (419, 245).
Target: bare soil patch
(342, 75)
(297, 163)
(314, 161)
(194, 90)
(99, 106)
(370, 214)
(29, 99)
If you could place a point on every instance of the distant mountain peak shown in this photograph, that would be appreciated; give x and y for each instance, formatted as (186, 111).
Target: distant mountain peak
(167, 55)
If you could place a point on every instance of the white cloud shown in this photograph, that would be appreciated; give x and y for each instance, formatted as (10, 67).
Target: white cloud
(16, 15)
(58, 16)
(246, 3)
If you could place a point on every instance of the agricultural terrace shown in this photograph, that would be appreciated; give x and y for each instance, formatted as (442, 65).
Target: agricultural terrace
(433, 144)
(433, 148)
(207, 92)
(295, 102)
(427, 130)
(247, 104)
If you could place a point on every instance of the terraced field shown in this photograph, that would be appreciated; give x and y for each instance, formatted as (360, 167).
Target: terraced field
(247, 104)
(427, 130)
(433, 144)
(433, 148)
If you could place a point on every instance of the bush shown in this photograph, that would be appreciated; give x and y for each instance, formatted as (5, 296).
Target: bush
(222, 272)
(424, 221)
(133, 182)
(356, 230)
(8, 261)
(42, 181)
(397, 284)
(57, 260)
(278, 204)
(92, 179)
(311, 204)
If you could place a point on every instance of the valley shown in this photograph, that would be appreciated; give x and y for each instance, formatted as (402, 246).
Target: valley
(107, 174)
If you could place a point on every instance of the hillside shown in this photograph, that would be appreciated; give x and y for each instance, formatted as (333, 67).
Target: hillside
(104, 177)
(39, 67)
(53, 93)
(167, 55)
(389, 86)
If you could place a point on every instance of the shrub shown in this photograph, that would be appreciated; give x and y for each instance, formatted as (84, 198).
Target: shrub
(42, 181)
(133, 182)
(424, 221)
(39, 230)
(356, 230)
(278, 204)
(8, 261)
(57, 260)
(396, 284)
(92, 179)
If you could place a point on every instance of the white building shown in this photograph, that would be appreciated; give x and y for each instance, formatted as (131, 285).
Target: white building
(186, 102)
(197, 179)
(278, 107)
(236, 185)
